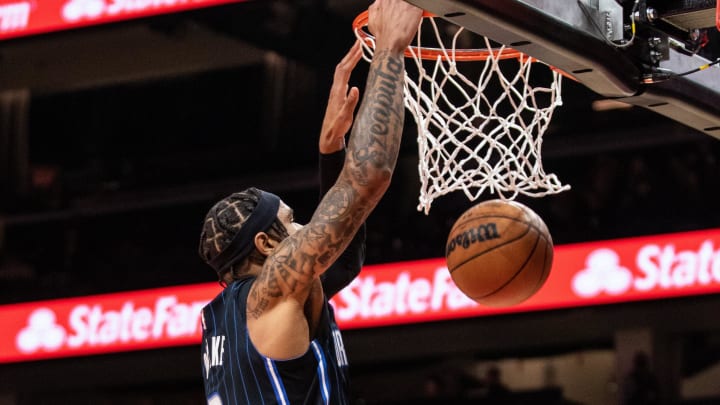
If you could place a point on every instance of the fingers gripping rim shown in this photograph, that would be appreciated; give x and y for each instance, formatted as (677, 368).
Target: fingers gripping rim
(459, 55)
(360, 26)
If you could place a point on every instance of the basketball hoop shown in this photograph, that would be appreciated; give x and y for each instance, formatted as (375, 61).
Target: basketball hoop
(470, 139)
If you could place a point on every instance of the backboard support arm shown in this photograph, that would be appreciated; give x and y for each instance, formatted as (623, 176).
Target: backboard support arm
(563, 42)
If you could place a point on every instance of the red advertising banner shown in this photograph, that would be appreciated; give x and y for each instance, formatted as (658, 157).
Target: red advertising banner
(645, 268)
(29, 17)
(584, 274)
(103, 323)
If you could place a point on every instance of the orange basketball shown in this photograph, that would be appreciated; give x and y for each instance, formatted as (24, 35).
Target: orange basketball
(499, 253)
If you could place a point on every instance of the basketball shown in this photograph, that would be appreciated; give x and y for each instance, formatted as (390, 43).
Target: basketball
(499, 253)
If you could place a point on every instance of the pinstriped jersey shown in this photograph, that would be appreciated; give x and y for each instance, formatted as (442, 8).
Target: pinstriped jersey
(235, 373)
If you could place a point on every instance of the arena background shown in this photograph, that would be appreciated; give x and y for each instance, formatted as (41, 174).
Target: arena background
(117, 138)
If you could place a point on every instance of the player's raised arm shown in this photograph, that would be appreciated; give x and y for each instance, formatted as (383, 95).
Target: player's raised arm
(275, 305)
(338, 120)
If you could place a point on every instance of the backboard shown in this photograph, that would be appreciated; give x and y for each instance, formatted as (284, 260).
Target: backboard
(636, 51)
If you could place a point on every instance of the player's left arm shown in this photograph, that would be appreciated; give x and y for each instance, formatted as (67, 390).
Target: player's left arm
(338, 120)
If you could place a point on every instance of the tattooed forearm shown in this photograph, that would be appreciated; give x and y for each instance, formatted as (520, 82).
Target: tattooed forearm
(375, 139)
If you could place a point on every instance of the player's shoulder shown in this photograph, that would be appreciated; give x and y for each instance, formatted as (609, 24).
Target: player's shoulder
(227, 304)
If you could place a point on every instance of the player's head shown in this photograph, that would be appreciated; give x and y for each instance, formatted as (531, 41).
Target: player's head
(236, 224)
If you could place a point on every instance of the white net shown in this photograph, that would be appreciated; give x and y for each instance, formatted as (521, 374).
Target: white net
(481, 122)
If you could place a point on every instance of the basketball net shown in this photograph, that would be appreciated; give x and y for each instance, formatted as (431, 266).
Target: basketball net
(480, 128)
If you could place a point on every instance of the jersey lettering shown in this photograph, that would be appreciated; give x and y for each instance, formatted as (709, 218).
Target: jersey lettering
(339, 349)
(213, 353)
(214, 399)
(218, 348)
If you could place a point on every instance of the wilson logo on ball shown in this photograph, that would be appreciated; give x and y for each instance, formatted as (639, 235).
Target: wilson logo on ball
(499, 253)
(480, 234)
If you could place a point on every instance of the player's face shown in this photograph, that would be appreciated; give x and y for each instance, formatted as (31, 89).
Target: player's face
(285, 214)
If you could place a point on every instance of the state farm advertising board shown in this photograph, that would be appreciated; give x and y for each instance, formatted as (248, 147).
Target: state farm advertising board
(103, 323)
(634, 269)
(28, 17)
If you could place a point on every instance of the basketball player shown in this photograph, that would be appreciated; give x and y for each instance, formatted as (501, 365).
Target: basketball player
(270, 336)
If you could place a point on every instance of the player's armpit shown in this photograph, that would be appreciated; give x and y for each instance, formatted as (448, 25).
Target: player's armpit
(282, 332)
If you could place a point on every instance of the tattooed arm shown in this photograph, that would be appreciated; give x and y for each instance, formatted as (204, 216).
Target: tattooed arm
(338, 120)
(276, 319)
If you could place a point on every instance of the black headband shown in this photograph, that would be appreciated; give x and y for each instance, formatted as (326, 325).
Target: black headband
(242, 244)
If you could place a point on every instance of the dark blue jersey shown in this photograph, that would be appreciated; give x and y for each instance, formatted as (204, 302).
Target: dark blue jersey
(235, 373)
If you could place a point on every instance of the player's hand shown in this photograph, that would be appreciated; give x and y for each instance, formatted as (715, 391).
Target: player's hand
(394, 24)
(340, 110)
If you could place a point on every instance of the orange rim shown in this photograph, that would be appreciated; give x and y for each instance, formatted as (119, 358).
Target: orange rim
(361, 22)
(461, 55)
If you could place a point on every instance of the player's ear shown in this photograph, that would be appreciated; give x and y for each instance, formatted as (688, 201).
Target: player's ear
(264, 243)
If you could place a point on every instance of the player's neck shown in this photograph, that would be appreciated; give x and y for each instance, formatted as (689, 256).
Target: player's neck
(254, 269)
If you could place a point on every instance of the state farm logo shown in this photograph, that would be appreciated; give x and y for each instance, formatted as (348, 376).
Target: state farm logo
(603, 273)
(15, 16)
(41, 332)
(657, 267)
(94, 325)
